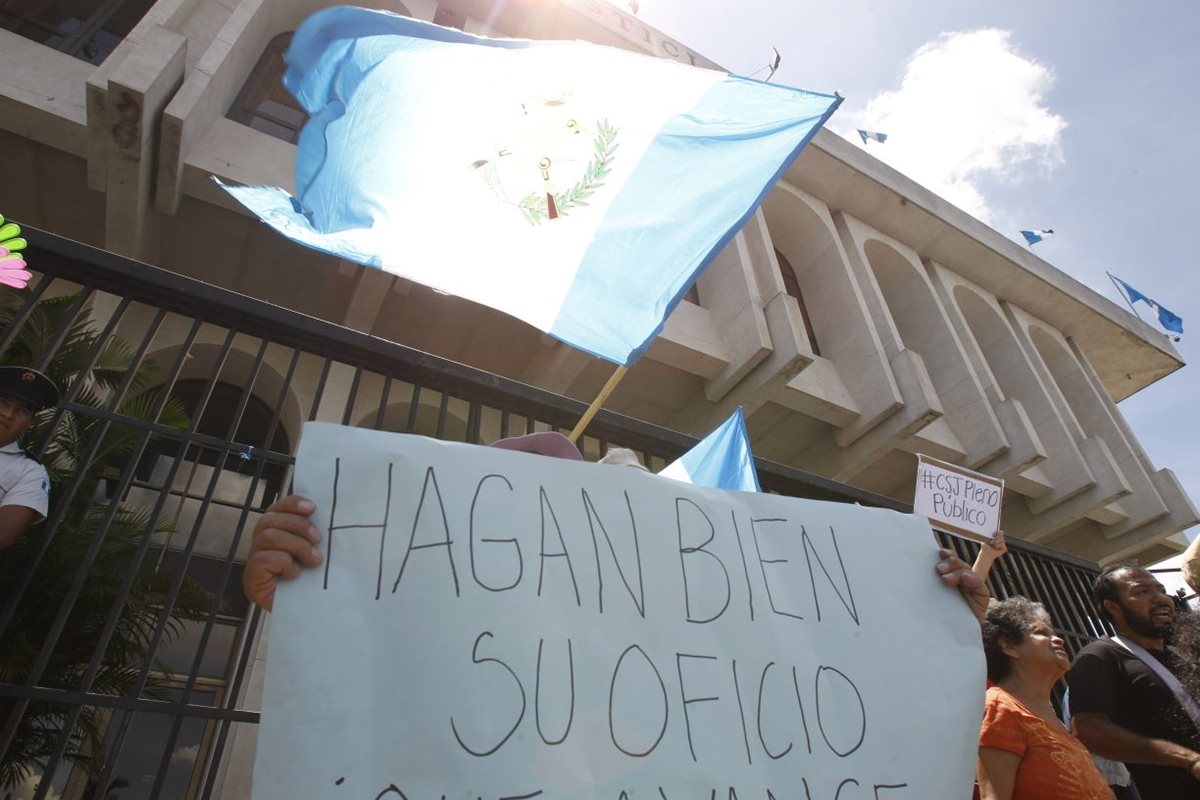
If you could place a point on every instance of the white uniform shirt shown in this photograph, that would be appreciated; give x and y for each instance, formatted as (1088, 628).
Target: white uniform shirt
(23, 481)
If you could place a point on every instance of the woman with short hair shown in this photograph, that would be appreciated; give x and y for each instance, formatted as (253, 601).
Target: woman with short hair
(1025, 752)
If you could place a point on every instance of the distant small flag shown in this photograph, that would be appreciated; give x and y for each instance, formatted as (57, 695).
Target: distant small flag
(872, 135)
(1033, 237)
(774, 62)
(1168, 319)
(721, 460)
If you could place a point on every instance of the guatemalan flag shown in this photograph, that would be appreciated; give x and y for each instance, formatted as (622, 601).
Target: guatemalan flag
(1168, 319)
(721, 460)
(580, 188)
(1033, 237)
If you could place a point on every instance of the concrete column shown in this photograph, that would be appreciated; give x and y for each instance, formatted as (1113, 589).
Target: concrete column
(788, 356)
(803, 230)
(138, 91)
(1091, 408)
(898, 290)
(1006, 373)
(728, 290)
(1017, 463)
(919, 409)
(210, 87)
(163, 14)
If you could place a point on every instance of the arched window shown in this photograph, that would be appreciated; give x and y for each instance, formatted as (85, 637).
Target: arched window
(263, 103)
(792, 285)
(86, 29)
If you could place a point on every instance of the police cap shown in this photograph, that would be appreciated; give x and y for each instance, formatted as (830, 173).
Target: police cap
(29, 386)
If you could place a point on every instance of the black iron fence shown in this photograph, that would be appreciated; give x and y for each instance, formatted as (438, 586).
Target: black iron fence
(126, 648)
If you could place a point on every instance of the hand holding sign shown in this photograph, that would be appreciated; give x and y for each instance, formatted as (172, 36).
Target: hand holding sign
(957, 500)
(284, 540)
(955, 572)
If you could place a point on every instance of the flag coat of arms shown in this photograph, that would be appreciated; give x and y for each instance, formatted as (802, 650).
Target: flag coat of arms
(577, 187)
(721, 460)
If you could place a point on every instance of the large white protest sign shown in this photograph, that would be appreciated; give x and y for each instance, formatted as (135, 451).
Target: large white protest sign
(494, 624)
(958, 500)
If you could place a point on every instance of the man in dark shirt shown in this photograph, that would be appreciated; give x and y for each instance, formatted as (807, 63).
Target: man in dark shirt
(1121, 704)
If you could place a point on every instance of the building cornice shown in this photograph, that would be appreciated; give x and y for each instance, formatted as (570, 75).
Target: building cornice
(1127, 352)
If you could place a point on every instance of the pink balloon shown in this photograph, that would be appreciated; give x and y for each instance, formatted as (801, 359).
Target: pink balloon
(12, 263)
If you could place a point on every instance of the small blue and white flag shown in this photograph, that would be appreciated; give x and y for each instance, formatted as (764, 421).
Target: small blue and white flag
(1033, 237)
(721, 460)
(577, 187)
(1168, 319)
(872, 135)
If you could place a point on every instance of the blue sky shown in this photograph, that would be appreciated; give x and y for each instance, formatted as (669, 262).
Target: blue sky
(1071, 115)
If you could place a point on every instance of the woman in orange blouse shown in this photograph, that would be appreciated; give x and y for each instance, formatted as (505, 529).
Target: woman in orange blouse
(1025, 753)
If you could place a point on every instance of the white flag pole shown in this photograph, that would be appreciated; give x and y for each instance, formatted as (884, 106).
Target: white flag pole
(1123, 294)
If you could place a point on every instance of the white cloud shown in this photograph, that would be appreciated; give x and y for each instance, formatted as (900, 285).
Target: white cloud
(969, 107)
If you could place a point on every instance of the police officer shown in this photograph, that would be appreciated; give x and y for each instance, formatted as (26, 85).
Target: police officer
(24, 484)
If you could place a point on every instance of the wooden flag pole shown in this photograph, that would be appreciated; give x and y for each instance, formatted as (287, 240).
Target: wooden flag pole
(598, 403)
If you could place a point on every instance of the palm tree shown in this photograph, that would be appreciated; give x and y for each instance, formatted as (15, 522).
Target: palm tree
(65, 458)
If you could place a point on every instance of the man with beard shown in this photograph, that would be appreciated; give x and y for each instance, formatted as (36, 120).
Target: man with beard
(1126, 703)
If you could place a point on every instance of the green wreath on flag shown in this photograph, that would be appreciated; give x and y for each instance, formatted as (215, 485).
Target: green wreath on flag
(533, 205)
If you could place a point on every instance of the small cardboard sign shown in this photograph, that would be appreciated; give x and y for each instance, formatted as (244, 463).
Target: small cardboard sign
(957, 500)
